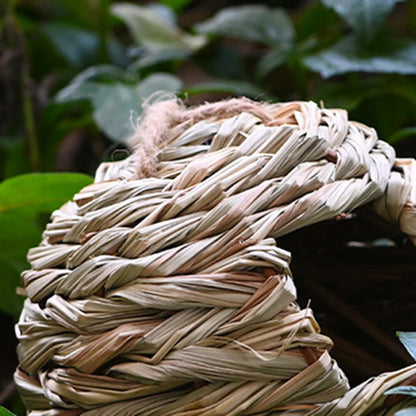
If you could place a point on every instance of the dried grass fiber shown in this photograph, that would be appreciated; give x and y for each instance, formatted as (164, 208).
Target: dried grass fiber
(160, 290)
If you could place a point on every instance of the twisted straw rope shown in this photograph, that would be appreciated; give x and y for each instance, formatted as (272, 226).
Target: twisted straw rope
(160, 289)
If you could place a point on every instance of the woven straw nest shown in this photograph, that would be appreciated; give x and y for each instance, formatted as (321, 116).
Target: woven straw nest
(160, 289)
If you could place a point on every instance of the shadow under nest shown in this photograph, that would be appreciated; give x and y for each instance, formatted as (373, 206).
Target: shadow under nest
(358, 274)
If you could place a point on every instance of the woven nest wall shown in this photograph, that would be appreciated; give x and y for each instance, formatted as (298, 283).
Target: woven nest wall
(161, 290)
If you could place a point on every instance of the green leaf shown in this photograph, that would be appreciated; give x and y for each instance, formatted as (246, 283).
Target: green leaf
(224, 61)
(81, 48)
(398, 56)
(33, 193)
(364, 16)
(402, 134)
(5, 412)
(154, 57)
(408, 339)
(255, 23)
(404, 390)
(226, 86)
(164, 12)
(387, 102)
(112, 103)
(158, 82)
(84, 85)
(411, 411)
(271, 60)
(78, 47)
(115, 103)
(150, 30)
(349, 95)
(24, 203)
(316, 21)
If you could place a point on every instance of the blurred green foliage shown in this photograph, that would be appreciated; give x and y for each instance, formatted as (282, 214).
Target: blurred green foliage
(5, 412)
(74, 75)
(23, 199)
(80, 72)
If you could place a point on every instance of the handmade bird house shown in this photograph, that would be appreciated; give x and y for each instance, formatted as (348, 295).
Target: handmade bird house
(161, 290)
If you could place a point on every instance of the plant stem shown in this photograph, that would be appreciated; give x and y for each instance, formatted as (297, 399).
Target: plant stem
(29, 119)
(27, 104)
(103, 6)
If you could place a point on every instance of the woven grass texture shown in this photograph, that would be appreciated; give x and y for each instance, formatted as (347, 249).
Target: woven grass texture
(161, 290)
